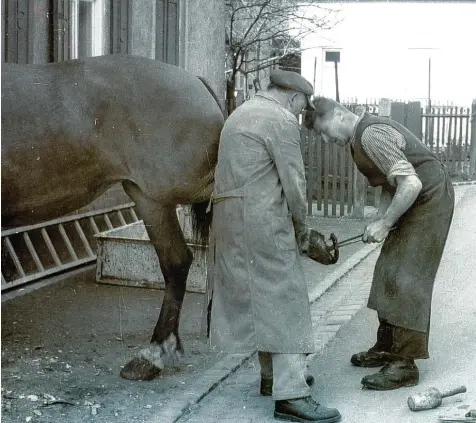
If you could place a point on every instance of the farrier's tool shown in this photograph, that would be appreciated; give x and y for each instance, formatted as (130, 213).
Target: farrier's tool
(355, 239)
(349, 241)
(327, 252)
(431, 398)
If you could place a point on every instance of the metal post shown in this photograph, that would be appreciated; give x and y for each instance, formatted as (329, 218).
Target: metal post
(337, 82)
(429, 82)
(314, 78)
(334, 56)
(472, 157)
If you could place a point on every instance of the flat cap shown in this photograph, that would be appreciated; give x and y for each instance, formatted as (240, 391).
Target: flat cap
(292, 81)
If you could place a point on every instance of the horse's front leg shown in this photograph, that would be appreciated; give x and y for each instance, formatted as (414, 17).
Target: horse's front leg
(175, 260)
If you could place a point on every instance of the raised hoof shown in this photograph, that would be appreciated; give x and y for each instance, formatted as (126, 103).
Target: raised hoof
(140, 369)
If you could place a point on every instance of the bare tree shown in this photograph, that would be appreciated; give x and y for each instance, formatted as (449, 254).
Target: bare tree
(260, 33)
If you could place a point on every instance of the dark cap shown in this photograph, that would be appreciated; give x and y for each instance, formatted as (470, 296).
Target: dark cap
(292, 81)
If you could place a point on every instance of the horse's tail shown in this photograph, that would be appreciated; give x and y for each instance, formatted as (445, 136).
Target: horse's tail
(210, 90)
(201, 221)
(201, 218)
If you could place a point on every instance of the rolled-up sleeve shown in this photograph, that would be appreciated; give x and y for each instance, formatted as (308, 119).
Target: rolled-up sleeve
(384, 145)
(284, 146)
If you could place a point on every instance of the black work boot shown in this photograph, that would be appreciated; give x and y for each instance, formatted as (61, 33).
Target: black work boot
(370, 358)
(304, 410)
(266, 387)
(394, 375)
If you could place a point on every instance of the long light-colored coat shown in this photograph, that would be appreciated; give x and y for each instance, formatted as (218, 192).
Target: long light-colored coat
(260, 297)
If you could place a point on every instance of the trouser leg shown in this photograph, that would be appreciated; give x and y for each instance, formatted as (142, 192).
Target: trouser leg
(400, 342)
(289, 380)
(266, 364)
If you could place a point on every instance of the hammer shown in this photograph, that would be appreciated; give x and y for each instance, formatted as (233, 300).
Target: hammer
(431, 398)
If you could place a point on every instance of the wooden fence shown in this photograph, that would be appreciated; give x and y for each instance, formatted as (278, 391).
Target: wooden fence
(335, 186)
(333, 180)
(447, 131)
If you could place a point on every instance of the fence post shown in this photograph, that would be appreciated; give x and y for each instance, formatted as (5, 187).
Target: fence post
(398, 112)
(472, 155)
(413, 119)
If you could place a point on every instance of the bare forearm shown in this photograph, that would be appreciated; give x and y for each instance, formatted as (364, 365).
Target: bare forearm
(385, 201)
(408, 188)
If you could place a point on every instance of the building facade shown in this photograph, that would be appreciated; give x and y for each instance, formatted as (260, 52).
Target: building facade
(186, 33)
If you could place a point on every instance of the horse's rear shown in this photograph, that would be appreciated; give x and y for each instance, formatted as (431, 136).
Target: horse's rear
(72, 129)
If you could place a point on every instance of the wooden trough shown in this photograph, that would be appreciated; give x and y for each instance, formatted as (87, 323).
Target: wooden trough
(126, 257)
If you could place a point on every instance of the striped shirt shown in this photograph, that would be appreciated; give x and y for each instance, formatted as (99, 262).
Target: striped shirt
(385, 145)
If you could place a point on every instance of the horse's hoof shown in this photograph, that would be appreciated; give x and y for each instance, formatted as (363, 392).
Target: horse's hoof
(140, 369)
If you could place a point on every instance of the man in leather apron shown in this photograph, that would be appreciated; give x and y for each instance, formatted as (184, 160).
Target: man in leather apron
(414, 218)
(260, 298)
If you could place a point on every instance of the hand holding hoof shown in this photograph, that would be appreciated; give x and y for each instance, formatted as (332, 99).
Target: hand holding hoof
(320, 251)
(140, 368)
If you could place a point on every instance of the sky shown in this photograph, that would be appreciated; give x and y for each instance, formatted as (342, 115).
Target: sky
(385, 52)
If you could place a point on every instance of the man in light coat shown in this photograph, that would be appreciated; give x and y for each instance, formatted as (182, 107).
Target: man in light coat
(260, 298)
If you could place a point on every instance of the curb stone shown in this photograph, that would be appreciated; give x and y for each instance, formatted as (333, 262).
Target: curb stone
(457, 184)
(206, 383)
(339, 273)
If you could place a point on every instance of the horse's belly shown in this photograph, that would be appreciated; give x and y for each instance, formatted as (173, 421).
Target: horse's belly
(43, 188)
(26, 207)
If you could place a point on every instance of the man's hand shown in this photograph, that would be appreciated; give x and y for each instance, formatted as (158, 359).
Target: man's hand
(377, 231)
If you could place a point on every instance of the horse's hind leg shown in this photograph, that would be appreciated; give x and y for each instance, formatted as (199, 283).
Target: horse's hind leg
(175, 260)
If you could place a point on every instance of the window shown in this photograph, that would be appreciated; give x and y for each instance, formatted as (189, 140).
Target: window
(17, 34)
(87, 28)
(167, 31)
(79, 28)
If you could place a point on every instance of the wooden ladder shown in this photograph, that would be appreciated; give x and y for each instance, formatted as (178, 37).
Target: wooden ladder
(56, 245)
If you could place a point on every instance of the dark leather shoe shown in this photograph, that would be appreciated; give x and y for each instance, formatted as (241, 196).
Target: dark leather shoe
(370, 359)
(304, 410)
(393, 376)
(266, 387)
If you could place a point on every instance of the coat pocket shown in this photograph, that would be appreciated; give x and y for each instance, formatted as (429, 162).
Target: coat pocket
(283, 233)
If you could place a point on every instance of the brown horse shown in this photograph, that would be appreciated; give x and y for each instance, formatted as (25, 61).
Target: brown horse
(72, 129)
